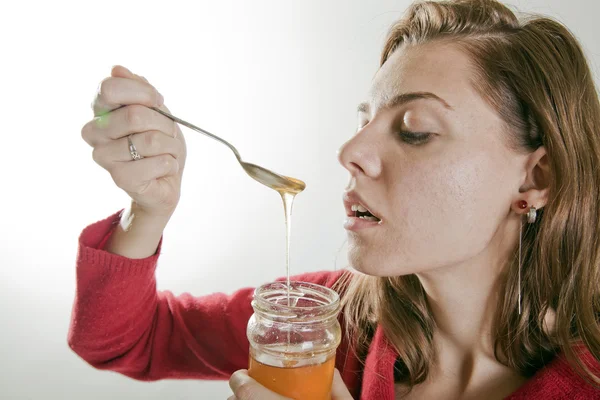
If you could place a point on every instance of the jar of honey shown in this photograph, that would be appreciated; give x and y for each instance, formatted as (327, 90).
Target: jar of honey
(293, 334)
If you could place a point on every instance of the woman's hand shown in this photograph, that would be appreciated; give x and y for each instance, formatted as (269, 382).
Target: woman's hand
(246, 388)
(122, 108)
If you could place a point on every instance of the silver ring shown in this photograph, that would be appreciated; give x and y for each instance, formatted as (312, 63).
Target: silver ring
(132, 150)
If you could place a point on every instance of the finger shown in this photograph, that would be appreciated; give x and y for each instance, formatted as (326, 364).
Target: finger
(125, 121)
(246, 388)
(147, 144)
(115, 92)
(339, 391)
(135, 176)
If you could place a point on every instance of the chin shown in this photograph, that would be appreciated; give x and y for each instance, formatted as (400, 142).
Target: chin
(368, 264)
(378, 262)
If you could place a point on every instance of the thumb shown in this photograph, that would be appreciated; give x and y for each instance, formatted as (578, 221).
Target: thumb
(119, 71)
(339, 391)
(246, 388)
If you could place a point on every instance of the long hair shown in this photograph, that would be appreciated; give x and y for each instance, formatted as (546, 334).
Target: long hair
(534, 73)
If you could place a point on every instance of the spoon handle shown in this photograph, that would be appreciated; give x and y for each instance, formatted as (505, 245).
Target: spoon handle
(197, 129)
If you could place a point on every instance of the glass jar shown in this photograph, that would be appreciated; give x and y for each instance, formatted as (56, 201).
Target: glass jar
(293, 338)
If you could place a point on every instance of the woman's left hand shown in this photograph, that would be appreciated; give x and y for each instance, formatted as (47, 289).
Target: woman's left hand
(246, 388)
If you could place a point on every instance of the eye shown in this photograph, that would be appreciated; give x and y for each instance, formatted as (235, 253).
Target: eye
(414, 138)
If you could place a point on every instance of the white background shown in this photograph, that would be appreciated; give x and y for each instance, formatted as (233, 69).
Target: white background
(279, 79)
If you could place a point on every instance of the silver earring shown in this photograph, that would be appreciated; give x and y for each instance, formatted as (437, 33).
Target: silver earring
(531, 215)
(519, 272)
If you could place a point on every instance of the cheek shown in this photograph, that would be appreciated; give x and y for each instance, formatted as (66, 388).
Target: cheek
(446, 189)
(445, 205)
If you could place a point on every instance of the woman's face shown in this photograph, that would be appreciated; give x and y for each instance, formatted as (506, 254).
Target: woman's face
(431, 160)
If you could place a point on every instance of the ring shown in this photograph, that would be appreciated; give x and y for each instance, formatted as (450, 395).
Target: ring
(132, 150)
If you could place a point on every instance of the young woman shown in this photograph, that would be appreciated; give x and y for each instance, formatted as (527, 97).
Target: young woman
(477, 153)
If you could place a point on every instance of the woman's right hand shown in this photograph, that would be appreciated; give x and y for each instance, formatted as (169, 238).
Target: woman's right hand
(121, 108)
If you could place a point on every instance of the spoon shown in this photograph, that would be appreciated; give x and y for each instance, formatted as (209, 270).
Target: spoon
(268, 178)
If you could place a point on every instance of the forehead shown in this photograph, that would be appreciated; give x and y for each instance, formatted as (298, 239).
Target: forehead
(440, 68)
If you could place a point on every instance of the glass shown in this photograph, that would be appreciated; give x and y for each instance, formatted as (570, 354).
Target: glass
(293, 340)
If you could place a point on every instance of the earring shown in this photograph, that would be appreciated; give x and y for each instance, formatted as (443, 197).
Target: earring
(519, 272)
(532, 215)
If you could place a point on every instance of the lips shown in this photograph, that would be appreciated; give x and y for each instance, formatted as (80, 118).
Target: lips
(351, 199)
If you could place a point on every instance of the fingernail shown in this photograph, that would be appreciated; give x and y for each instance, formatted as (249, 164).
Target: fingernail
(175, 129)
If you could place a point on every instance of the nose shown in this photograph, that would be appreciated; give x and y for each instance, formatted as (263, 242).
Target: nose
(359, 155)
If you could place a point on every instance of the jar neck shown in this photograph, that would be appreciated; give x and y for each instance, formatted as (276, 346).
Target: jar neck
(307, 302)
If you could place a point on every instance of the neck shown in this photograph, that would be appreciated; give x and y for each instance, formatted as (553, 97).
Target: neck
(463, 297)
(462, 302)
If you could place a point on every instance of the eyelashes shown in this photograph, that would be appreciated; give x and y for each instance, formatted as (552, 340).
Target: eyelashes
(408, 137)
(414, 138)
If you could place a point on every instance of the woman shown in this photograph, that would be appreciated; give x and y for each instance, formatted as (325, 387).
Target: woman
(477, 155)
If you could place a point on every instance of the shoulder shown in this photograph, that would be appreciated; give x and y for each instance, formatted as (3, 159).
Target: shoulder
(561, 380)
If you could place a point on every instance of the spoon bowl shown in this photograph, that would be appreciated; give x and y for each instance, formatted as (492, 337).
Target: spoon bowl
(280, 183)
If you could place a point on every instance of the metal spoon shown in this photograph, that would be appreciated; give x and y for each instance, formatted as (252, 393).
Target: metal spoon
(268, 178)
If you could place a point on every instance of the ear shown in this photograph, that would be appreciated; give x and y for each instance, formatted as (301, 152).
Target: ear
(535, 188)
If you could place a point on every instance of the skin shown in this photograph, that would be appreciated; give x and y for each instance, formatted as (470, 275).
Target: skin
(448, 200)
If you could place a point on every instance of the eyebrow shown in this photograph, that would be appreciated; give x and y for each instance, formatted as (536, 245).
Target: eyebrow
(405, 98)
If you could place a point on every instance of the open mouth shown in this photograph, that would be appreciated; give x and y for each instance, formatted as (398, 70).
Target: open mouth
(362, 213)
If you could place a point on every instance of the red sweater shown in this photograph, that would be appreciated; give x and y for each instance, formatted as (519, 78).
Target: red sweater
(120, 322)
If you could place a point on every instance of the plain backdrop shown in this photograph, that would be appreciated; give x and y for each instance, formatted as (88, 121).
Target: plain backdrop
(280, 79)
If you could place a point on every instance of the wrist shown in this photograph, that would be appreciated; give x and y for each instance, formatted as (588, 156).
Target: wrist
(144, 215)
(138, 234)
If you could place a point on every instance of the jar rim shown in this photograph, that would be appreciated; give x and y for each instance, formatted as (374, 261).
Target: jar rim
(268, 300)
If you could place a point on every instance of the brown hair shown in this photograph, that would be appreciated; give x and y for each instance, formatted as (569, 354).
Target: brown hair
(536, 76)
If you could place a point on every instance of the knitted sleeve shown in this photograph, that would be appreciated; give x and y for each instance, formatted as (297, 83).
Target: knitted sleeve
(120, 322)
